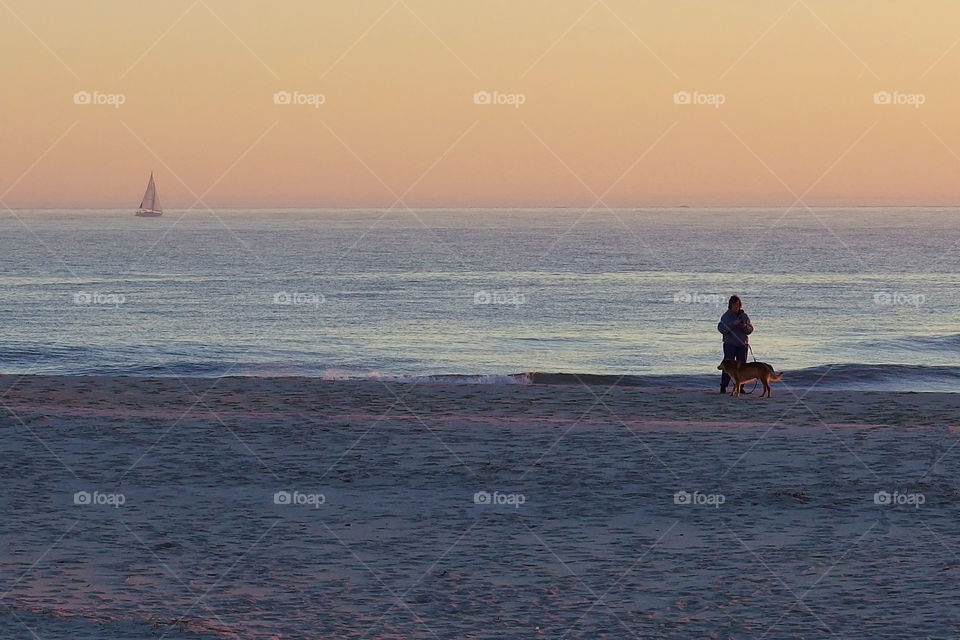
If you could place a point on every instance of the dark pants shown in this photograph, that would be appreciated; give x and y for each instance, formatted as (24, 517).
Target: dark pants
(732, 352)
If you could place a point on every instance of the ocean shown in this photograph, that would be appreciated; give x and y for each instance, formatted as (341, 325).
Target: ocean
(840, 297)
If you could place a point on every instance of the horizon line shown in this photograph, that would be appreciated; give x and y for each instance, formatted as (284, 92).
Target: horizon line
(383, 207)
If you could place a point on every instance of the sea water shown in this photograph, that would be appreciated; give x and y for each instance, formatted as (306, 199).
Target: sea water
(844, 297)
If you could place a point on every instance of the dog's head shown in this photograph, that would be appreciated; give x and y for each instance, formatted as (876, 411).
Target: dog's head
(727, 364)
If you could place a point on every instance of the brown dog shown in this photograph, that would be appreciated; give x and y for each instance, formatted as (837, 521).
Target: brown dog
(744, 372)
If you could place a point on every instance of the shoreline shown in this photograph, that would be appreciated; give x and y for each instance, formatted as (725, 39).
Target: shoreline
(848, 377)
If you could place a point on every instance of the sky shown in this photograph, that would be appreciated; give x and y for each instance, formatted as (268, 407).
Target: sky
(587, 103)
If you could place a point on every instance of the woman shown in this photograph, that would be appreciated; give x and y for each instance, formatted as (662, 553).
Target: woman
(735, 327)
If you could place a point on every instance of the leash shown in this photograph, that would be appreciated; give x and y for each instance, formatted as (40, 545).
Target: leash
(757, 381)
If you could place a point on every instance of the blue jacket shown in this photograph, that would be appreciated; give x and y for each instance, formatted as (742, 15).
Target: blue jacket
(734, 333)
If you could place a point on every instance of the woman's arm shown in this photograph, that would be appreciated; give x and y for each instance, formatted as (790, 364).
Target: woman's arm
(722, 326)
(745, 323)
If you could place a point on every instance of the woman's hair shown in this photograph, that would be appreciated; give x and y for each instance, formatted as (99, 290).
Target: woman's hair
(732, 300)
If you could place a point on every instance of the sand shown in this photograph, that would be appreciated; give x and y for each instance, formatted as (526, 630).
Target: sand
(473, 511)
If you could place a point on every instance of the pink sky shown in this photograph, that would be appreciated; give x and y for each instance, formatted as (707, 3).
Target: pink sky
(786, 90)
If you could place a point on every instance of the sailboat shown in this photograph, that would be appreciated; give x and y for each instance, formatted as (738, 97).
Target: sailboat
(150, 205)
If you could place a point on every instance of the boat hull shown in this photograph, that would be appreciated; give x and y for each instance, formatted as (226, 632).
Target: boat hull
(146, 213)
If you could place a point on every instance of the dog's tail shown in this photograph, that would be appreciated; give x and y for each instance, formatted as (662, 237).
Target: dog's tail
(776, 377)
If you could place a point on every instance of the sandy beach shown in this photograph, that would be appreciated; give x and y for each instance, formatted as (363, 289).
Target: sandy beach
(405, 320)
(302, 508)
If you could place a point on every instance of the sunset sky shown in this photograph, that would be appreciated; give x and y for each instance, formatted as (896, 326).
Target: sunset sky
(398, 78)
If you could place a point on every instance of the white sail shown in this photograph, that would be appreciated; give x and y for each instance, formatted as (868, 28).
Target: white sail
(151, 201)
(150, 205)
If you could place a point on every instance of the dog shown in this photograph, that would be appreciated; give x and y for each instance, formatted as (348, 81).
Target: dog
(744, 372)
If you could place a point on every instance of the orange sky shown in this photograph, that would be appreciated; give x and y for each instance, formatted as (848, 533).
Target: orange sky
(598, 118)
